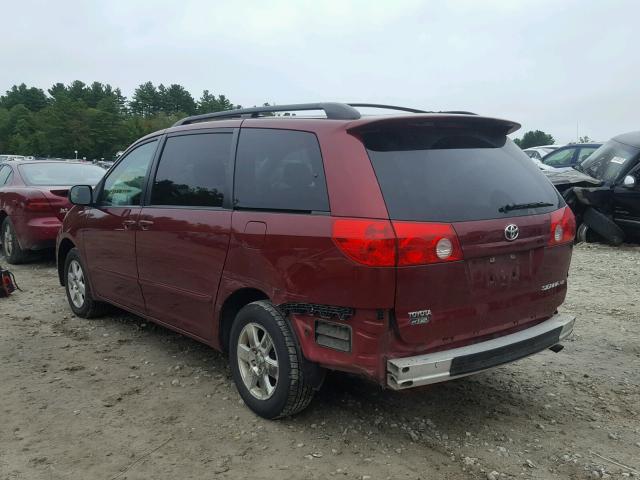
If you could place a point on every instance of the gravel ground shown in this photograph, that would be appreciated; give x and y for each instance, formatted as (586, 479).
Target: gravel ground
(117, 398)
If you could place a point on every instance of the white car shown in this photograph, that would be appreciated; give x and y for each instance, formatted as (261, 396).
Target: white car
(536, 154)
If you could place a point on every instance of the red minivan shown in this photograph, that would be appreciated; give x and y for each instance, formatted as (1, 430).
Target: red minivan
(409, 248)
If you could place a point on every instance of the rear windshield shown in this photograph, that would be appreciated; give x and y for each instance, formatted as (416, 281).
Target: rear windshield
(57, 174)
(455, 174)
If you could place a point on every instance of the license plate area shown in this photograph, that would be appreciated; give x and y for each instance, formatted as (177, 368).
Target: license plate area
(500, 271)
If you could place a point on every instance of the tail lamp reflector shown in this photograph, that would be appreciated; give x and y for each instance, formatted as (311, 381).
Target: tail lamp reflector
(423, 243)
(38, 205)
(381, 243)
(563, 227)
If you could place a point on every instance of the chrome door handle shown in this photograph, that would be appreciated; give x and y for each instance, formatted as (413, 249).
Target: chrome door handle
(145, 224)
(127, 224)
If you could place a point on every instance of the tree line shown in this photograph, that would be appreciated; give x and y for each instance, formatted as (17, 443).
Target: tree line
(97, 120)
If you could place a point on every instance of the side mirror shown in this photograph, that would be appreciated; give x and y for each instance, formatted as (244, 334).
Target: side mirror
(81, 195)
(629, 182)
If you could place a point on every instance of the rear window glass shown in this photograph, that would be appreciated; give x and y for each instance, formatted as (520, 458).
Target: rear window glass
(279, 170)
(455, 174)
(57, 174)
(193, 170)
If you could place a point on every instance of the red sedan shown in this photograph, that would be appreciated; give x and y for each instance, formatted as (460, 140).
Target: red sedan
(33, 202)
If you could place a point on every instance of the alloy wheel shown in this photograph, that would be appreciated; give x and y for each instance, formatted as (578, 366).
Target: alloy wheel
(7, 241)
(258, 361)
(76, 284)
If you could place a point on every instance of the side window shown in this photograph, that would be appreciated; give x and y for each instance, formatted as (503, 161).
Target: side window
(5, 171)
(585, 152)
(193, 170)
(279, 170)
(123, 186)
(560, 159)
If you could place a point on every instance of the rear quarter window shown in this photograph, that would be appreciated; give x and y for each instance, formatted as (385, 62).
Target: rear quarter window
(279, 170)
(455, 174)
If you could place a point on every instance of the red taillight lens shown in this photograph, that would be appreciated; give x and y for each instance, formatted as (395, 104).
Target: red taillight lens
(376, 243)
(424, 243)
(370, 242)
(563, 227)
(38, 205)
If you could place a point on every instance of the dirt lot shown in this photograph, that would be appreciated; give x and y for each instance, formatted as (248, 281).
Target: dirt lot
(118, 398)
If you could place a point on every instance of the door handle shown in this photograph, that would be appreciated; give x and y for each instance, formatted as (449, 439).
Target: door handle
(145, 224)
(127, 224)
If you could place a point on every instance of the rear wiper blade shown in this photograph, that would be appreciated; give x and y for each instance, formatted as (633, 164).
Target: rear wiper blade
(524, 206)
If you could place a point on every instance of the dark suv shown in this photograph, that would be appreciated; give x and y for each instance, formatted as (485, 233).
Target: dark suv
(409, 248)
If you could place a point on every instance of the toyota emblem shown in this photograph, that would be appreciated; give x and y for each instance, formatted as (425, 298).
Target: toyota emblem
(511, 232)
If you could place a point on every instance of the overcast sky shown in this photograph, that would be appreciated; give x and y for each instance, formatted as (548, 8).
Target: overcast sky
(547, 64)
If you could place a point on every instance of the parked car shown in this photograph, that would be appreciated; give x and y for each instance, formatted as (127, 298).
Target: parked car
(33, 202)
(9, 158)
(569, 155)
(537, 153)
(410, 249)
(604, 190)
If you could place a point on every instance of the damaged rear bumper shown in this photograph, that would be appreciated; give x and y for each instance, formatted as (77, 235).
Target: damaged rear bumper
(437, 367)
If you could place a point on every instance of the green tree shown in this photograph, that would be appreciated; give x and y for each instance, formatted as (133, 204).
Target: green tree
(585, 139)
(145, 101)
(534, 139)
(209, 103)
(176, 99)
(96, 119)
(32, 98)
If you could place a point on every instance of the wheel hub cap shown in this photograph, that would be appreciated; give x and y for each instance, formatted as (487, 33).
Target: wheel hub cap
(257, 361)
(76, 284)
(7, 240)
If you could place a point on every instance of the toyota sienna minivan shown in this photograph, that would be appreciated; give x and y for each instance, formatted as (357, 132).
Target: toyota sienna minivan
(410, 248)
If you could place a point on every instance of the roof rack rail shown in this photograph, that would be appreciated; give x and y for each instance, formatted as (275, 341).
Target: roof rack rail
(457, 112)
(335, 111)
(411, 110)
(388, 107)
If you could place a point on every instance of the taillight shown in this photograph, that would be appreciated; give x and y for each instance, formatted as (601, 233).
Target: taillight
(370, 242)
(379, 244)
(424, 243)
(38, 205)
(563, 227)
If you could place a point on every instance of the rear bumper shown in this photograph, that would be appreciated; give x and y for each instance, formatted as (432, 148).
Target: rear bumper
(437, 367)
(35, 233)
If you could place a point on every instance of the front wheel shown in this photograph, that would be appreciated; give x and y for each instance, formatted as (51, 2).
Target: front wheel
(78, 289)
(266, 362)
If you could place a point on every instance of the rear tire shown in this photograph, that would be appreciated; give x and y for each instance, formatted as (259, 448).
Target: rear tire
(266, 362)
(76, 284)
(11, 249)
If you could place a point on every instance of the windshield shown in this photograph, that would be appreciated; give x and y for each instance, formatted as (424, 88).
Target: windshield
(608, 161)
(456, 174)
(60, 173)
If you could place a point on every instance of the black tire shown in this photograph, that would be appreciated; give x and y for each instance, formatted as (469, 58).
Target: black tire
(604, 226)
(586, 234)
(292, 393)
(88, 308)
(12, 252)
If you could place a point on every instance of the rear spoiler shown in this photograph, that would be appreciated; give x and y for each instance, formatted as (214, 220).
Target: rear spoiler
(441, 119)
